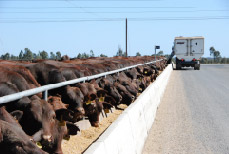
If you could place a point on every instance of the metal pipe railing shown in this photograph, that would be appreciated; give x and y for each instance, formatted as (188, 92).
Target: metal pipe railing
(44, 89)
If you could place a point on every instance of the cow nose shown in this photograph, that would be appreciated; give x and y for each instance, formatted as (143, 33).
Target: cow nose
(81, 110)
(47, 137)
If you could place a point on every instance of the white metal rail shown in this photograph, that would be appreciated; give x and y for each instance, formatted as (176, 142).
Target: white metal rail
(44, 89)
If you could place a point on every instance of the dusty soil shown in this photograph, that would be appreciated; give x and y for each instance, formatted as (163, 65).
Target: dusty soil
(79, 143)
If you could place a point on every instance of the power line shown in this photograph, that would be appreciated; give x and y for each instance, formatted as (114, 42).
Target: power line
(112, 19)
(83, 9)
(112, 12)
(79, 0)
(102, 7)
(115, 19)
(182, 18)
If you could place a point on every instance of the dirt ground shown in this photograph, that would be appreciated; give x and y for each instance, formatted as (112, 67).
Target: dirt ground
(79, 143)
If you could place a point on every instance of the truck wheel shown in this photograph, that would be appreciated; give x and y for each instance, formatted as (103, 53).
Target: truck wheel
(178, 67)
(197, 68)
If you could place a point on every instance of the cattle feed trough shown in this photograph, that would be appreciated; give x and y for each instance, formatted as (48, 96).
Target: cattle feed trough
(44, 89)
(128, 133)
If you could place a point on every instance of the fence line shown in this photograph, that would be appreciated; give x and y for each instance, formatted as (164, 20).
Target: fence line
(44, 89)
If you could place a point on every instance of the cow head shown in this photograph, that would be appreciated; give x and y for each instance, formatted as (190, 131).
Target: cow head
(74, 97)
(55, 76)
(127, 97)
(48, 120)
(111, 90)
(61, 128)
(62, 113)
(14, 140)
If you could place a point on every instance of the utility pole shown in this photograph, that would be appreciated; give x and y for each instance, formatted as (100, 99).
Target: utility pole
(126, 37)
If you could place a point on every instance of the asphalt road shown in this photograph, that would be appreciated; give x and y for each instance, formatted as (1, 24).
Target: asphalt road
(193, 116)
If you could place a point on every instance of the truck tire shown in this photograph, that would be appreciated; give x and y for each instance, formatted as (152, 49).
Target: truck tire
(178, 67)
(197, 67)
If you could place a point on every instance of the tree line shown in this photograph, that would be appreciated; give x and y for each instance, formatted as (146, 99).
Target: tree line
(216, 58)
(27, 54)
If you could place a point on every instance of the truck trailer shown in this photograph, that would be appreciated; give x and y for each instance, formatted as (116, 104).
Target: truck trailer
(188, 51)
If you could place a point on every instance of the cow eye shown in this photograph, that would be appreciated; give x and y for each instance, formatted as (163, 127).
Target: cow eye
(53, 115)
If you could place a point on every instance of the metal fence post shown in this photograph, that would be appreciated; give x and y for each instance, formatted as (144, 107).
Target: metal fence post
(45, 95)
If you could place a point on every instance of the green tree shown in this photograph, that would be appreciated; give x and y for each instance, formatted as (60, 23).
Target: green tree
(38, 56)
(58, 55)
(227, 60)
(28, 55)
(204, 61)
(217, 56)
(138, 54)
(6, 56)
(212, 50)
(79, 56)
(34, 56)
(12, 57)
(102, 55)
(21, 55)
(160, 53)
(120, 52)
(92, 53)
(52, 56)
(223, 60)
(215, 53)
(44, 55)
(84, 55)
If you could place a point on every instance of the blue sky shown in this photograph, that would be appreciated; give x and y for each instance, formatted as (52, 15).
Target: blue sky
(74, 26)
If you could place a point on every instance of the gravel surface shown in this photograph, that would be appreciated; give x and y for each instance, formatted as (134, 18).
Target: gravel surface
(193, 116)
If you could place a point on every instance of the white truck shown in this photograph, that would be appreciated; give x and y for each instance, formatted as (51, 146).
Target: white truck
(188, 51)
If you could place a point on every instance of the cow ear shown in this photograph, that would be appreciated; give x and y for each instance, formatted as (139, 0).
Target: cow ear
(64, 114)
(101, 93)
(72, 129)
(17, 114)
(92, 96)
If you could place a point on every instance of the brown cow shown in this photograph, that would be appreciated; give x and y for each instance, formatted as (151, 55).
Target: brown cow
(14, 78)
(60, 130)
(12, 137)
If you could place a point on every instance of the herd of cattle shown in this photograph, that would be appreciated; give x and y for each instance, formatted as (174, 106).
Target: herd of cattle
(32, 125)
